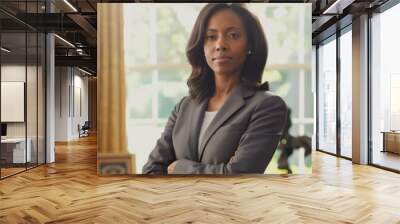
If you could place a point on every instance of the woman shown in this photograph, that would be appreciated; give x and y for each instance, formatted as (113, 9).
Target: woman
(229, 124)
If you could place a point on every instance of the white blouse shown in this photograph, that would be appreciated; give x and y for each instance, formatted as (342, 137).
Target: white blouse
(208, 117)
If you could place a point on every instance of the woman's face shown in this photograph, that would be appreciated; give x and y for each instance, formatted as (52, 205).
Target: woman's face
(225, 43)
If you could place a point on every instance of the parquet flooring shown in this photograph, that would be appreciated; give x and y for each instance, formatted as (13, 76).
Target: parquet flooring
(10, 171)
(69, 191)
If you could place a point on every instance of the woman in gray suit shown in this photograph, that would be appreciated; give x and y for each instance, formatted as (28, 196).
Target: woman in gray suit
(229, 123)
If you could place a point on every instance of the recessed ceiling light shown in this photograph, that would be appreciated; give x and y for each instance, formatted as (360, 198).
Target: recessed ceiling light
(84, 71)
(64, 40)
(337, 7)
(5, 50)
(70, 5)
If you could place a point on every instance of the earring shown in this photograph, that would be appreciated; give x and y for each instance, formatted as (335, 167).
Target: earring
(249, 52)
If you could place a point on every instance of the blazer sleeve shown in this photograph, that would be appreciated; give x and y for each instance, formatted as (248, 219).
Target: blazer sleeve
(163, 153)
(256, 146)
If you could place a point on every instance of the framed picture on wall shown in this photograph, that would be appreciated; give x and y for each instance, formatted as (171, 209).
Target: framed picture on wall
(13, 98)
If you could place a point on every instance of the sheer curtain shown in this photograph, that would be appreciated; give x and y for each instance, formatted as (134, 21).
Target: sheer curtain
(113, 156)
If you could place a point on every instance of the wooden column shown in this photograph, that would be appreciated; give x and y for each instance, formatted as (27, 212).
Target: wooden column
(92, 86)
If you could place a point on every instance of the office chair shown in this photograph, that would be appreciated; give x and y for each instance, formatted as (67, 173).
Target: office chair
(84, 130)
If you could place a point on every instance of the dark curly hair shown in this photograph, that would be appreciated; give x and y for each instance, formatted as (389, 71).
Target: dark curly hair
(201, 81)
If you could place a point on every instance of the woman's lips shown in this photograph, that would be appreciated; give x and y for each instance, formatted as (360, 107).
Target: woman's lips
(223, 59)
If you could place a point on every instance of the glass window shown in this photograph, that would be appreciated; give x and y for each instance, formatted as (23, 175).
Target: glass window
(23, 92)
(140, 93)
(385, 85)
(41, 79)
(15, 150)
(346, 94)
(308, 97)
(327, 97)
(31, 101)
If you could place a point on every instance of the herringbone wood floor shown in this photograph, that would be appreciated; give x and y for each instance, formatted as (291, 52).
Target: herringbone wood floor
(70, 191)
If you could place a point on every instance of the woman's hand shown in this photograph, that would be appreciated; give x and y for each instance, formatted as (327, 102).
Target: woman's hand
(231, 160)
(171, 167)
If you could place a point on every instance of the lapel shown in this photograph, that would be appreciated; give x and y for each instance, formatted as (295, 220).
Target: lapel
(233, 103)
(196, 119)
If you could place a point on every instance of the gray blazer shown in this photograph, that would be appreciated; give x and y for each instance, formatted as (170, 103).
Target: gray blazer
(248, 127)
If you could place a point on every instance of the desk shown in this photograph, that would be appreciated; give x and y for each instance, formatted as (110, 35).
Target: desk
(391, 141)
(13, 150)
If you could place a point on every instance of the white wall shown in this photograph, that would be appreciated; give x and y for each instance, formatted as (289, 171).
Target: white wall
(61, 103)
(80, 109)
(71, 94)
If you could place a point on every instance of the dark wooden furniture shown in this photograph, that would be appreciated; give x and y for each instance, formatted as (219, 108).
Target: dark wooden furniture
(391, 141)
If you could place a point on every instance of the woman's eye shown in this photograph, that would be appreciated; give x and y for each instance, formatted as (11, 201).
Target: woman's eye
(234, 35)
(210, 37)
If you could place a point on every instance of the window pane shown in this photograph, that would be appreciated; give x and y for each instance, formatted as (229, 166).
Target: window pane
(327, 97)
(175, 75)
(173, 33)
(169, 94)
(345, 94)
(41, 98)
(309, 129)
(385, 85)
(308, 96)
(137, 20)
(285, 83)
(140, 95)
(31, 101)
(13, 86)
